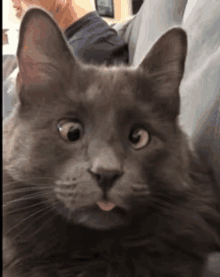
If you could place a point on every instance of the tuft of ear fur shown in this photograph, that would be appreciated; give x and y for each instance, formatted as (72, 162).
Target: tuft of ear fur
(164, 66)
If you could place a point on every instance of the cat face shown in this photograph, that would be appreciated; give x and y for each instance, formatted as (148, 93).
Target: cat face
(95, 142)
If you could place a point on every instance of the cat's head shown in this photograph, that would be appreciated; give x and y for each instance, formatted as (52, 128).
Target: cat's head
(97, 142)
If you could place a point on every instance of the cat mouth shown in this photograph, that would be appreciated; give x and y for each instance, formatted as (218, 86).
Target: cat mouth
(106, 206)
(103, 215)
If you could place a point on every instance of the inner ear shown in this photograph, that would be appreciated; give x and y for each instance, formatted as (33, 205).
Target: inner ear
(168, 54)
(41, 40)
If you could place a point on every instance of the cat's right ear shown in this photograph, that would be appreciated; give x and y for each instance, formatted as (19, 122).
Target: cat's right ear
(42, 46)
(164, 66)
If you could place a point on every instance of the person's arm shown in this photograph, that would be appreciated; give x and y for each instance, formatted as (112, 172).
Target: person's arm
(65, 12)
(94, 41)
(68, 12)
(91, 38)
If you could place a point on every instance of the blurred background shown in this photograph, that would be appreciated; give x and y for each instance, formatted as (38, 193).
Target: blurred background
(112, 11)
(10, 24)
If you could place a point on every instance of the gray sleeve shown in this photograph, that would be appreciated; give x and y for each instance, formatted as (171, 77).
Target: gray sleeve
(8, 85)
(200, 89)
(153, 19)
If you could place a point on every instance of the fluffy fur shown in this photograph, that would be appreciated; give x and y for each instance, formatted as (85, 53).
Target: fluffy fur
(165, 219)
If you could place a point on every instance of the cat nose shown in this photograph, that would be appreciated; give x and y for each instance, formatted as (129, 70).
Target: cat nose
(101, 173)
(105, 177)
(106, 169)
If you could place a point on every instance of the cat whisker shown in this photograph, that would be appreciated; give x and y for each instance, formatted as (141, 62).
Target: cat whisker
(168, 197)
(28, 180)
(160, 203)
(28, 217)
(40, 229)
(42, 226)
(32, 196)
(140, 188)
(28, 189)
(28, 207)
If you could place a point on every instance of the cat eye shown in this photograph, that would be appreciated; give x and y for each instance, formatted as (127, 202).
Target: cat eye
(139, 138)
(70, 130)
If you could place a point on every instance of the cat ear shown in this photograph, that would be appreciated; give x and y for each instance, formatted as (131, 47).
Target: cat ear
(164, 65)
(168, 54)
(41, 47)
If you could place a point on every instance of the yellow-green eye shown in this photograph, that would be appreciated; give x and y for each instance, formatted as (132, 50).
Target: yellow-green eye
(139, 138)
(70, 130)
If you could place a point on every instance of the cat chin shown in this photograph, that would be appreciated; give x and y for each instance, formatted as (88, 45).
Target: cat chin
(95, 218)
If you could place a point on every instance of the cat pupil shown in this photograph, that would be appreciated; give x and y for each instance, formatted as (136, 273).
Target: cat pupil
(73, 134)
(135, 137)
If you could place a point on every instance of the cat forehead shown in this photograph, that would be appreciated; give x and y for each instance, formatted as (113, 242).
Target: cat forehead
(110, 91)
(108, 84)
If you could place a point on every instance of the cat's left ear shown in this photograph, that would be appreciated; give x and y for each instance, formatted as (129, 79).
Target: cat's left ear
(41, 42)
(164, 65)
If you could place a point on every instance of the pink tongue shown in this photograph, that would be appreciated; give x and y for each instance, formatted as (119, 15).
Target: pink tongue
(106, 207)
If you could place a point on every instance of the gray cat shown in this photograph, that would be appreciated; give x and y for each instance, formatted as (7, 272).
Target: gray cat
(99, 179)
